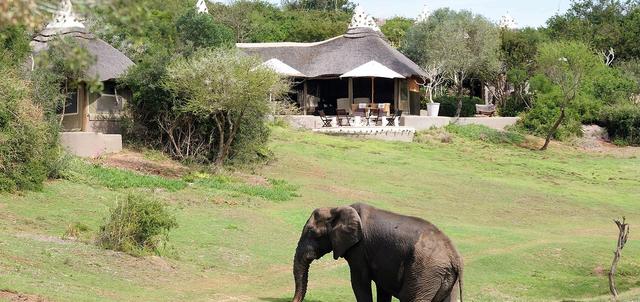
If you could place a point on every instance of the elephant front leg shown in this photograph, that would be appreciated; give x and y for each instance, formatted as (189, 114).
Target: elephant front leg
(383, 296)
(361, 284)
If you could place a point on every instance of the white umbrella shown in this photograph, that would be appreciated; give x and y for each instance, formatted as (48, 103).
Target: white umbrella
(372, 70)
(282, 68)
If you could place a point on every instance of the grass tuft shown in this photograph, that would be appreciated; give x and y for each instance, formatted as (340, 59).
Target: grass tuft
(276, 190)
(112, 178)
(486, 134)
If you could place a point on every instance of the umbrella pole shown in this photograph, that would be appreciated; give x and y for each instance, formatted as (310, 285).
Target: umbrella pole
(372, 90)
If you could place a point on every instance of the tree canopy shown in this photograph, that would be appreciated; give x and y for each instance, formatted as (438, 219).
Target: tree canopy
(459, 42)
(395, 29)
(602, 24)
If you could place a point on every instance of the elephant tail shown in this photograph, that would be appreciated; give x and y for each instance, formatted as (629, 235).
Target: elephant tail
(459, 269)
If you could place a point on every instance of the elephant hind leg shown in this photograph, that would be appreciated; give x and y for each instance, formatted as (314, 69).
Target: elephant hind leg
(431, 286)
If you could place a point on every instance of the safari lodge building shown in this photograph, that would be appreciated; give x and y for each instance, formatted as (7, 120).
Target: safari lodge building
(339, 73)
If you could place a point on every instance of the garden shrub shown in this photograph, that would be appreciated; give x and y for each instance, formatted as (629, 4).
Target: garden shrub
(138, 226)
(622, 122)
(28, 143)
(512, 106)
(539, 119)
(449, 104)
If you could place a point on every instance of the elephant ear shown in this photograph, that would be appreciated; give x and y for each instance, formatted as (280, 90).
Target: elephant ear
(346, 230)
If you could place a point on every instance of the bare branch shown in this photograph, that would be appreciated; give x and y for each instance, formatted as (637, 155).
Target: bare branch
(623, 234)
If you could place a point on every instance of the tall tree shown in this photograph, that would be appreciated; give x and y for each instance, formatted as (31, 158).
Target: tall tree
(226, 87)
(461, 42)
(566, 65)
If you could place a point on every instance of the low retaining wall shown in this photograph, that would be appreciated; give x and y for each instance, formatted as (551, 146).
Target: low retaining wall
(91, 144)
(417, 122)
(428, 122)
(401, 134)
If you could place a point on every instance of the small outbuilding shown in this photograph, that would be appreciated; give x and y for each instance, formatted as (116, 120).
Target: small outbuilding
(91, 121)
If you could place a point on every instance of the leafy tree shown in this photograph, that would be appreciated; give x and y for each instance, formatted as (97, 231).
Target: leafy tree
(395, 29)
(345, 5)
(566, 65)
(28, 13)
(135, 26)
(226, 87)
(602, 24)
(314, 26)
(200, 31)
(461, 42)
(260, 21)
(28, 144)
(14, 45)
(518, 53)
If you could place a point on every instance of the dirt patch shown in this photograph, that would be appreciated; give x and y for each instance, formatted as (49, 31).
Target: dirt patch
(160, 263)
(252, 179)
(135, 161)
(599, 271)
(43, 238)
(18, 297)
(595, 139)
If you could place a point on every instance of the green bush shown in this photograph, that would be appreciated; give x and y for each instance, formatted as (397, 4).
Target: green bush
(137, 226)
(539, 119)
(486, 134)
(449, 104)
(512, 106)
(622, 122)
(28, 143)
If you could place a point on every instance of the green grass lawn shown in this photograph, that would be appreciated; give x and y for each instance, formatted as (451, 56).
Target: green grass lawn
(532, 226)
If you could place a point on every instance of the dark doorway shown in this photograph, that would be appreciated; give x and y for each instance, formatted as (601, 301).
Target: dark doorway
(328, 91)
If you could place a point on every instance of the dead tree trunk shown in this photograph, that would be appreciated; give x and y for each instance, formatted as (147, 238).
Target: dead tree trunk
(623, 233)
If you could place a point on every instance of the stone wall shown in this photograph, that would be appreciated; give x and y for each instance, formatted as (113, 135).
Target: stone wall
(90, 144)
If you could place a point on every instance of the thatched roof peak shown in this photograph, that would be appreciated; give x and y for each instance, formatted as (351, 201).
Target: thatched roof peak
(65, 17)
(110, 62)
(201, 6)
(361, 19)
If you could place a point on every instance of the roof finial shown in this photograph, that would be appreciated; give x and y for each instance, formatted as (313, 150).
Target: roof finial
(424, 15)
(507, 22)
(65, 17)
(201, 6)
(362, 19)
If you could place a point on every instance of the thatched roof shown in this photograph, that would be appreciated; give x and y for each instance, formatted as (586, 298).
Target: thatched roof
(110, 62)
(336, 56)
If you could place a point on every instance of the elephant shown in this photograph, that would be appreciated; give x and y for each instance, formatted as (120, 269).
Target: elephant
(407, 257)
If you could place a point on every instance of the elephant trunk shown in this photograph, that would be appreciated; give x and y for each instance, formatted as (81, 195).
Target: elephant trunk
(301, 276)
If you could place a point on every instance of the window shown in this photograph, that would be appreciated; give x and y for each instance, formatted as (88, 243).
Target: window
(70, 104)
(109, 100)
(404, 90)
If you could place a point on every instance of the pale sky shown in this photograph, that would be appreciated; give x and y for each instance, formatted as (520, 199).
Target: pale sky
(526, 12)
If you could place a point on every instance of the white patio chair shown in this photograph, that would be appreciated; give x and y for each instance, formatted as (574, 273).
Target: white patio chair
(345, 104)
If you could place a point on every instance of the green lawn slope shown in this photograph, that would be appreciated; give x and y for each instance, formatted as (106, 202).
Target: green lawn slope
(532, 226)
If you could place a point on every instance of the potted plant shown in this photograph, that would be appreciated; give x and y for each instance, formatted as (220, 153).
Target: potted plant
(432, 79)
